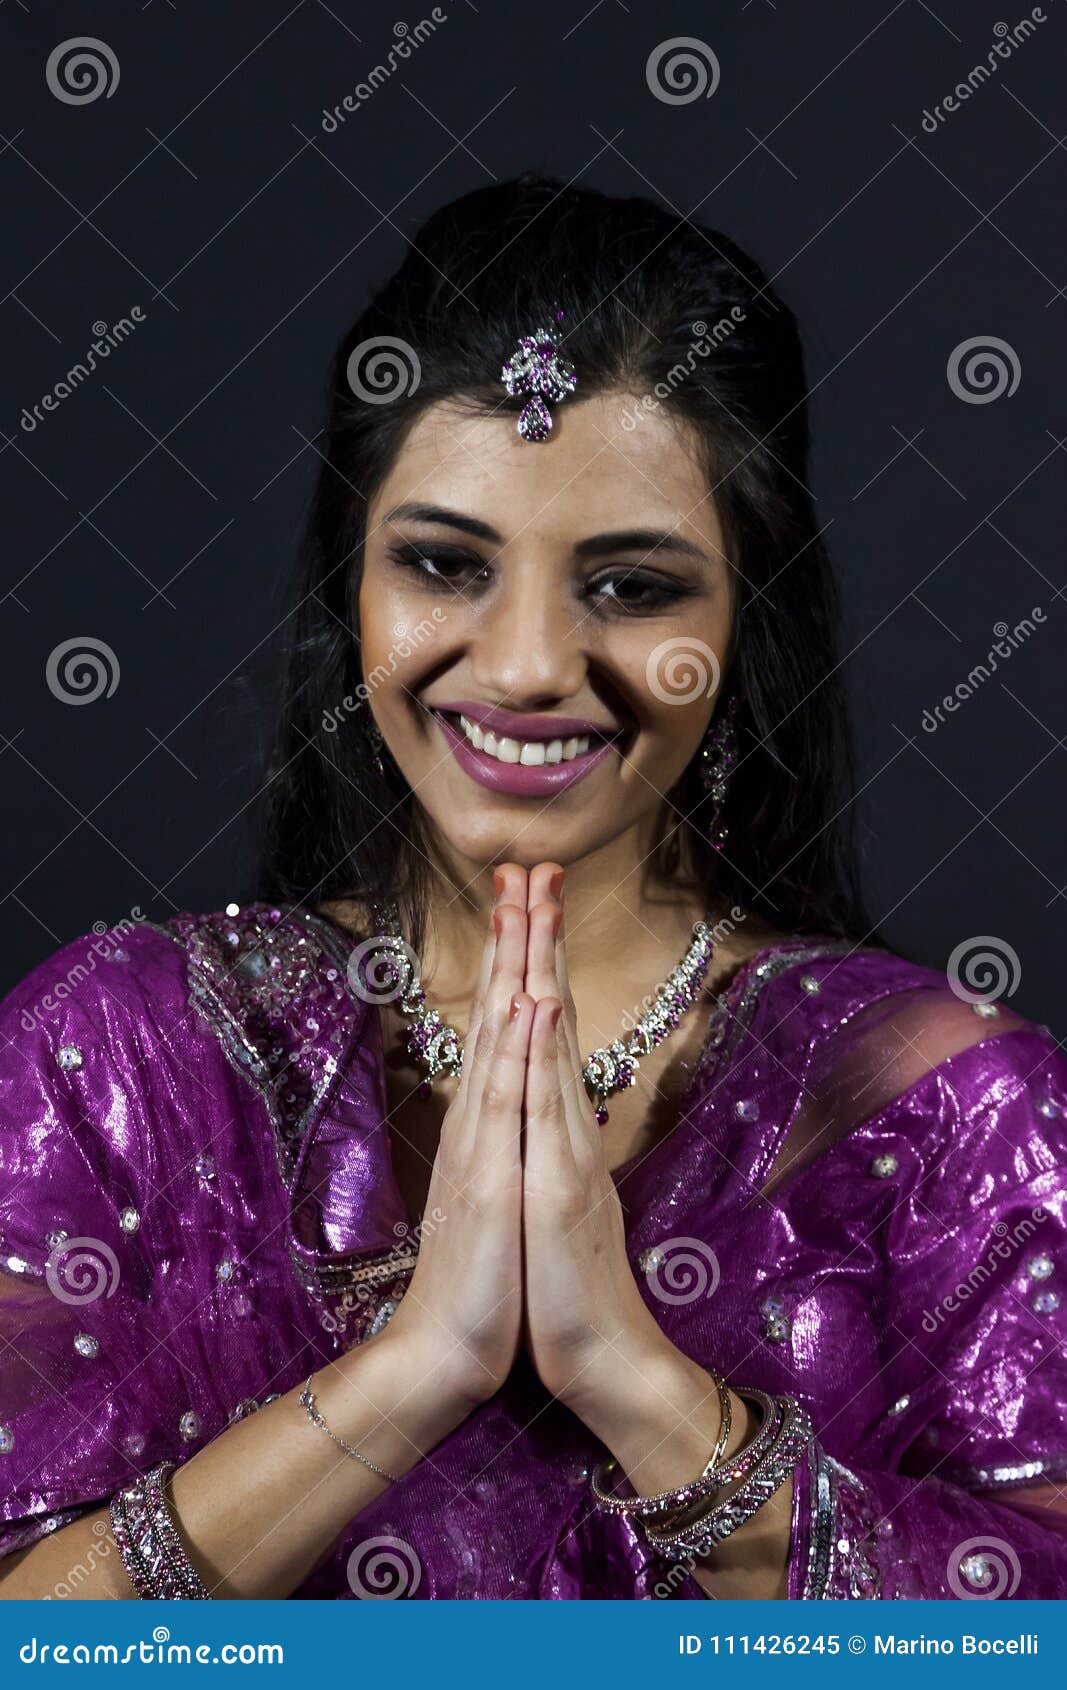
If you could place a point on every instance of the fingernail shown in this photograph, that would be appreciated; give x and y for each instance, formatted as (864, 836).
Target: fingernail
(514, 1008)
(555, 882)
(498, 883)
(554, 1015)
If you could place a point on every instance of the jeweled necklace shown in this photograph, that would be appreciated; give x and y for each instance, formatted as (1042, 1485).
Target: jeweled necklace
(435, 1047)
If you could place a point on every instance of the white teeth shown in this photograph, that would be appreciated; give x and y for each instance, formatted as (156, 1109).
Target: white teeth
(531, 752)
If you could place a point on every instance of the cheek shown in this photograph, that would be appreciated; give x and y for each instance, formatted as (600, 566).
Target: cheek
(382, 612)
(682, 673)
(402, 638)
(673, 672)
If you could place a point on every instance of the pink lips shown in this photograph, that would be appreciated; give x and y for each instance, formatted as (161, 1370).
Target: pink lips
(520, 779)
(514, 725)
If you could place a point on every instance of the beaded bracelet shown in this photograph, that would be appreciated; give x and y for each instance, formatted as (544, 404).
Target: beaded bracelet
(149, 1543)
(181, 1569)
(714, 1476)
(128, 1544)
(720, 1517)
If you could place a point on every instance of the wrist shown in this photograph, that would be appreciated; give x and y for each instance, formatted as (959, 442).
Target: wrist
(659, 1414)
(407, 1383)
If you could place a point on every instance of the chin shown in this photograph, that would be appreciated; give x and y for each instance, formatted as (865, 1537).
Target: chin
(487, 841)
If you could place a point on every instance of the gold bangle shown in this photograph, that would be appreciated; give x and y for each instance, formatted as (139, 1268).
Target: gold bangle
(672, 1499)
(727, 1415)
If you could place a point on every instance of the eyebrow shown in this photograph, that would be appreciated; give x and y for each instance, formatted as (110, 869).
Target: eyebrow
(597, 545)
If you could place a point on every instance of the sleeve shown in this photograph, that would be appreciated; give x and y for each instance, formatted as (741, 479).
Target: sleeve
(78, 1406)
(940, 1498)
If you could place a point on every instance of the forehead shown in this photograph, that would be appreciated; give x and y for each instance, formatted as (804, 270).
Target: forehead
(607, 463)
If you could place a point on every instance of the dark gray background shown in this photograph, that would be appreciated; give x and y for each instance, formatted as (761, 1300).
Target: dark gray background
(157, 509)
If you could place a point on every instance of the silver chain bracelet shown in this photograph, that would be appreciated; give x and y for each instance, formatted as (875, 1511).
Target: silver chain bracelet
(307, 1398)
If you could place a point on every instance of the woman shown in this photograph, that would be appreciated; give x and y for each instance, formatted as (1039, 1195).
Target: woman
(550, 1135)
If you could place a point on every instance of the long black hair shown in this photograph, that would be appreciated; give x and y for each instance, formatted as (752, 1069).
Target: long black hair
(656, 307)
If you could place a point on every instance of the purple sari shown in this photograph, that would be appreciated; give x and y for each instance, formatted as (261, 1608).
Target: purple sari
(861, 1203)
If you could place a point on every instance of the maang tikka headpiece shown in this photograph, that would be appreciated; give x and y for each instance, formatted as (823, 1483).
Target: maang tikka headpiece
(537, 367)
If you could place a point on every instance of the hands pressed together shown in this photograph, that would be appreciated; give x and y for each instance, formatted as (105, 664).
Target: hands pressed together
(530, 1248)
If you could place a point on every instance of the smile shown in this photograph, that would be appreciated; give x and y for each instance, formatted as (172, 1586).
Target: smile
(527, 767)
(530, 752)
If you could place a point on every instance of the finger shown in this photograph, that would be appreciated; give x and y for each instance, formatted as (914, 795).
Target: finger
(546, 976)
(495, 1127)
(581, 1116)
(505, 980)
(511, 882)
(545, 897)
(545, 881)
(544, 920)
(549, 1154)
(562, 987)
(485, 970)
(509, 886)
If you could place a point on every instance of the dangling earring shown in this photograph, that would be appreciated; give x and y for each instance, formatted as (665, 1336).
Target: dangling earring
(718, 758)
(373, 735)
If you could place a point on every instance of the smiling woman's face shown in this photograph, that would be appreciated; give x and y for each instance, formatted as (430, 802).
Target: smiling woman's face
(521, 587)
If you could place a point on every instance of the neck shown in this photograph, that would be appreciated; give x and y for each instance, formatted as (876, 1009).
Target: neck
(615, 907)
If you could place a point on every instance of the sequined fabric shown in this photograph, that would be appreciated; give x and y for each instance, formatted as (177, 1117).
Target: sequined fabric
(862, 1203)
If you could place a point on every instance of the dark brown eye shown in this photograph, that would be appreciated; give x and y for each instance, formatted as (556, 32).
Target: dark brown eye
(631, 591)
(444, 566)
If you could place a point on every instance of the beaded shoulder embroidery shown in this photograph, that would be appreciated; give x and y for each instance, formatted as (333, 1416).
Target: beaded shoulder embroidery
(272, 985)
(735, 1007)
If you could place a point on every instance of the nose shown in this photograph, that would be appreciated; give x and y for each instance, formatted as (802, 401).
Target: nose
(528, 649)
